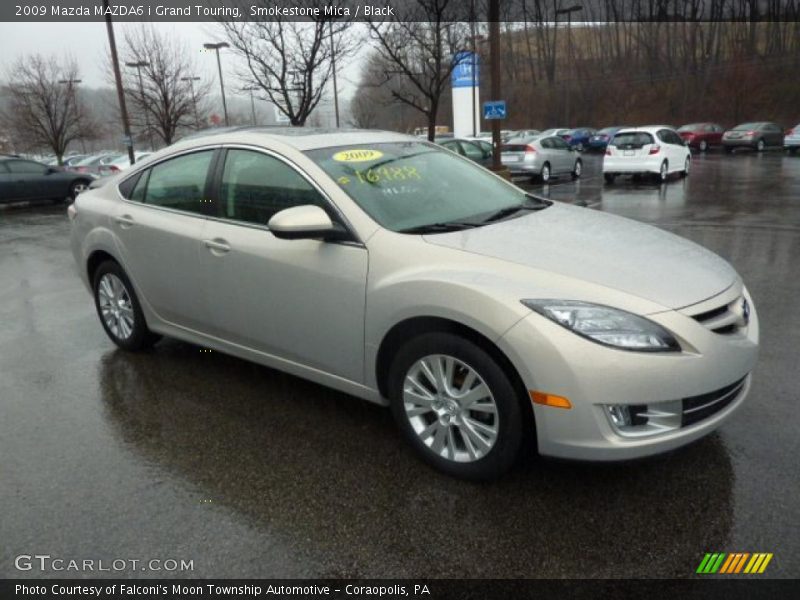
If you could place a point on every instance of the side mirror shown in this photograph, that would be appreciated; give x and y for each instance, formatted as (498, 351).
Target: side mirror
(305, 222)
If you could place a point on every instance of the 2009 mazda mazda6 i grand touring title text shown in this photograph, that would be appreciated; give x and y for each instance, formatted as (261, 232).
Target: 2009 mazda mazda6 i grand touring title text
(401, 273)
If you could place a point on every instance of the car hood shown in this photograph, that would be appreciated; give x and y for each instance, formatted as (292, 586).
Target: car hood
(603, 249)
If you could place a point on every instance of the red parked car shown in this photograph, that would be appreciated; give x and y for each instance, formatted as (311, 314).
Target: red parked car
(702, 135)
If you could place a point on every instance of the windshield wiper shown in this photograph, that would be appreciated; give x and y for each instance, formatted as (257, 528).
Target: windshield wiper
(439, 227)
(512, 210)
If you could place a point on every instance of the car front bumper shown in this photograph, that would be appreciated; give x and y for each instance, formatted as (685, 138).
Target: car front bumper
(553, 360)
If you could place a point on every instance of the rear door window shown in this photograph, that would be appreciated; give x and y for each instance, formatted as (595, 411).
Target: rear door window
(178, 183)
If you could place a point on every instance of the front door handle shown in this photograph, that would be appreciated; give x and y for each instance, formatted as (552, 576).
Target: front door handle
(125, 221)
(217, 246)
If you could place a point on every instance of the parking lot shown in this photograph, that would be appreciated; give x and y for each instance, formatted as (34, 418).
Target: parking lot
(185, 454)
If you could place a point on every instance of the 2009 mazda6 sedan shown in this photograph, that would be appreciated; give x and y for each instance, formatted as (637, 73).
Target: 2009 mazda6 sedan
(401, 273)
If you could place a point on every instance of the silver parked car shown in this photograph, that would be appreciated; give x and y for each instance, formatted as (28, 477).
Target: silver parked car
(541, 157)
(399, 272)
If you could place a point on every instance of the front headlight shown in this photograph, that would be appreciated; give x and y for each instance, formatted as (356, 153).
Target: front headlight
(606, 325)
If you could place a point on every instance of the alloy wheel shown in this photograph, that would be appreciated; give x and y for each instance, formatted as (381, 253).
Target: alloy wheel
(703, 146)
(546, 173)
(663, 171)
(450, 408)
(116, 307)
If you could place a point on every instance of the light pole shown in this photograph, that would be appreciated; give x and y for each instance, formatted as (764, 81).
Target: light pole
(494, 60)
(71, 83)
(568, 11)
(252, 89)
(139, 65)
(191, 81)
(216, 46)
(123, 109)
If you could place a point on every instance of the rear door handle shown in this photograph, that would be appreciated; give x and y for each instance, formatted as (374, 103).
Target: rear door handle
(125, 221)
(217, 246)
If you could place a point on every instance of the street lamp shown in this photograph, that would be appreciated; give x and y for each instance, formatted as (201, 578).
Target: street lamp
(216, 46)
(252, 89)
(191, 81)
(139, 65)
(568, 11)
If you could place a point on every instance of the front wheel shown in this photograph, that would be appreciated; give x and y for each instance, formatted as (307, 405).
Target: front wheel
(609, 177)
(703, 145)
(545, 174)
(760, 146)
(119, 309)
(577, 169)
(456, 406)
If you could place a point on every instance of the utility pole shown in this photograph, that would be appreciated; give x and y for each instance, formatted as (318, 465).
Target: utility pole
(126, 126)
(138, 66)
(335, 86)
(216, 46)
(191, 81)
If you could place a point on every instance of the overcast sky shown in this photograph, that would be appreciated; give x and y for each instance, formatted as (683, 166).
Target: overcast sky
(88, 44)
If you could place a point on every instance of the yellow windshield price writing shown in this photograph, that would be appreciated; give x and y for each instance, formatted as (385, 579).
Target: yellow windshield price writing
(387, 174)
(361, 155)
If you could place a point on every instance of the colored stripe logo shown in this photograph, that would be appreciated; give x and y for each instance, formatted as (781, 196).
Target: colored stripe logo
(734, 563)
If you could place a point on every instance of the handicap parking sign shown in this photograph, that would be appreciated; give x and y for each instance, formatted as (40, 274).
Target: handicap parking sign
(494, 109)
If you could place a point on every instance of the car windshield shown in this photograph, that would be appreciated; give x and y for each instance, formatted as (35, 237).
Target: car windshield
(746, 126)
(406, 186)
(632, 139)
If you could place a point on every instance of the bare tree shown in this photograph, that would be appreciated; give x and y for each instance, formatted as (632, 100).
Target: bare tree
(419, 47)
(291, 61)
(44, 108)
(165, 99)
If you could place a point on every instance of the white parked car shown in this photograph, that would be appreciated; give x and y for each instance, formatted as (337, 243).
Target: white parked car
(656, 150)
(397, 271)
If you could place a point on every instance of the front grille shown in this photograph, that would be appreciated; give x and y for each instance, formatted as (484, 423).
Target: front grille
(725, 319)
(697, 408)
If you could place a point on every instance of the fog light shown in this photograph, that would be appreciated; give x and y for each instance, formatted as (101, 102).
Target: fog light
(620, 414)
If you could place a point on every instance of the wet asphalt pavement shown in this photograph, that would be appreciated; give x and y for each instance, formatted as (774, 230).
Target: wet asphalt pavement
(181, 454)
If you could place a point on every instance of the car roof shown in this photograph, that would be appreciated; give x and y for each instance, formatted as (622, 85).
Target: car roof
(301, 138)
(646, 129)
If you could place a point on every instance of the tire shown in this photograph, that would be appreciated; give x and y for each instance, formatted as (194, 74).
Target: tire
(728, 150)
(579, 147)
(545, 174)
(112, 290)
(686, 166)
(703, 146)
(793, 150)
(76, 188)
(577, 169)
(760, 145)
(609, 177)
(663, 172)
(427, 417)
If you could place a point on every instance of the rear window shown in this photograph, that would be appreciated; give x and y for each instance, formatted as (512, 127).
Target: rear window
(513, 148)
(633, 139)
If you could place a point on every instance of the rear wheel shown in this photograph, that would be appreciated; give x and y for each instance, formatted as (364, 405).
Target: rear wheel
(686, 166)
(728, 150)
(119, 309)
(703, 145)
(609, 177)
(663, 172)
(456, 406)
(545, 174)
(577, 169)
(760, 146)
(76, 188)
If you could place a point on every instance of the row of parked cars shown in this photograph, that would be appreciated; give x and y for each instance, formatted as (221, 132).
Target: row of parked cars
(23, 180)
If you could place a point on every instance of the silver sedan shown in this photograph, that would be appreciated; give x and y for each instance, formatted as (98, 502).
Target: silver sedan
(399, 272)
(541, 156)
